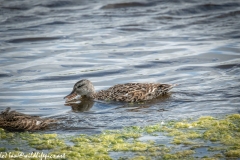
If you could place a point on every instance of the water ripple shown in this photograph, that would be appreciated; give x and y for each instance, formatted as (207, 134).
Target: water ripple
(47, 46)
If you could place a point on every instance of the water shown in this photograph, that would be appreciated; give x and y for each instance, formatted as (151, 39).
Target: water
(47, 46)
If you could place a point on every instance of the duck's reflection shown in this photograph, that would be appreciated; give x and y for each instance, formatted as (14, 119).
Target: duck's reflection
(84, 105)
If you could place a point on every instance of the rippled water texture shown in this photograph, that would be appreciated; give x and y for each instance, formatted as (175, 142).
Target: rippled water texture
(46, 46)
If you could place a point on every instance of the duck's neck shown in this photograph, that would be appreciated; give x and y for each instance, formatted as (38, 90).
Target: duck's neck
(91, 95)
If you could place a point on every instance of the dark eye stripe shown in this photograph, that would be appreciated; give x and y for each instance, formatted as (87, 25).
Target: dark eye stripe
(80, 85)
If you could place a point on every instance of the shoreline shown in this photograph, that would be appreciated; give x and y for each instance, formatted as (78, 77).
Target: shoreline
(205, 138)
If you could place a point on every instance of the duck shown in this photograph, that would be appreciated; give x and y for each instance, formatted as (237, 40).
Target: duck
(16, 121)
(128, 92)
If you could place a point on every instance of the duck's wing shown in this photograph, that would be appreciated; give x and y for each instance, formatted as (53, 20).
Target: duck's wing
(134, 92)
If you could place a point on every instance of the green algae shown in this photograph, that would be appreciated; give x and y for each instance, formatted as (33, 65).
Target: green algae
(233, 153)
(180, 155)
(44, 141)
(4, 135)
(223, 133)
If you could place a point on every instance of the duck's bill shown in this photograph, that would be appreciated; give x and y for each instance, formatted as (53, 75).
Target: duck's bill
(71, 97)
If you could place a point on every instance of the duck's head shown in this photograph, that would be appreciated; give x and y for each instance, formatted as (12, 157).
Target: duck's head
(81, 88)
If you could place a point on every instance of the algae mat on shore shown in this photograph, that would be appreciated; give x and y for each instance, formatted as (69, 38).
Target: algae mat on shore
(207, 138)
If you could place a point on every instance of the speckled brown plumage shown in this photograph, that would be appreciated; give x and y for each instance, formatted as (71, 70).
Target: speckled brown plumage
(129, 92)
(132, 92)
(12, 120)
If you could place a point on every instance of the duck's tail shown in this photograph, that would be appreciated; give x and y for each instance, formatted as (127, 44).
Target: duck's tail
(169, 87)
(173, 85)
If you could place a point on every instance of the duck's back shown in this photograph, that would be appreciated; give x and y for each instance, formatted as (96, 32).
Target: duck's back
(133, 92)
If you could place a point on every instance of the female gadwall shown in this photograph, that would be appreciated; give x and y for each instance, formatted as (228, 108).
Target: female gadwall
(15, 121)
(129, 92)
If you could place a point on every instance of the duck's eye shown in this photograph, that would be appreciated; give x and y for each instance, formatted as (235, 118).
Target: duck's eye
(80, 86)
